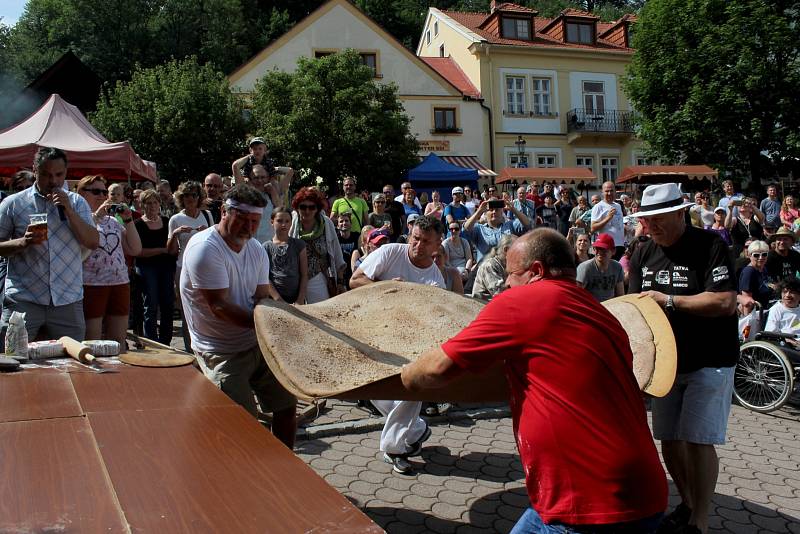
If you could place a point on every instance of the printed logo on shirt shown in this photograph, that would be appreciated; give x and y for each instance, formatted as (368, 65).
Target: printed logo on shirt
(720, 273)
(645, 272)
(662, 277)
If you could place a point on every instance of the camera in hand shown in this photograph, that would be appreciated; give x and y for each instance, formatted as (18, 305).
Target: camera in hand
(115, 209)
(494, 204)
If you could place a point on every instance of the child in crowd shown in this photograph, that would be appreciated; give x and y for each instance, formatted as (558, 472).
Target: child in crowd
(288, 264)
(784, 315)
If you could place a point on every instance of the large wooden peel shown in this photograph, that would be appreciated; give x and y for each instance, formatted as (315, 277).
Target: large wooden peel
(353, 346)
(154, 354)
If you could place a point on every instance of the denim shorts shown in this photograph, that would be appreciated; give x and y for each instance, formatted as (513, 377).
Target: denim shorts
(532, 523)
(697, 407)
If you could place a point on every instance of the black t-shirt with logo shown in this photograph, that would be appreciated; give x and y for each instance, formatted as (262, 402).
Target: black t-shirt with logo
(699, 261)
(782, 267)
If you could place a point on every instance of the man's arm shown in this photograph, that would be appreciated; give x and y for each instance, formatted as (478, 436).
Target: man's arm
(601, 223)
(220, 305)
(433, 369)
(476, 216)
(360, 279)
(236, 170)
(526, 222)
(706, 304)
(619, 289)
(86, 234)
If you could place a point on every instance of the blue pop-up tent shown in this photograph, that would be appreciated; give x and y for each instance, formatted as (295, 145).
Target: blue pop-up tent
(436, 174)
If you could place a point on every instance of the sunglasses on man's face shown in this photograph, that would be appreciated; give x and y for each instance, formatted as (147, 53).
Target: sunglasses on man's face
(307, 207)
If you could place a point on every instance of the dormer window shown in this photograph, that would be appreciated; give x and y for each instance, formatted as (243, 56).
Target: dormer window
(580, 33)
(517, 28)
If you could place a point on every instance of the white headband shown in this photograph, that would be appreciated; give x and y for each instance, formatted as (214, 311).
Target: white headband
(241, 206)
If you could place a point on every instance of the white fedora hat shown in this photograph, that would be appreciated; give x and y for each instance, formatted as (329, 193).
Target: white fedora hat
(661, 198)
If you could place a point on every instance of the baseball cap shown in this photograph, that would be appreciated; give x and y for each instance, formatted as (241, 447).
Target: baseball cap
(377, 235)
(256, 141)
(413, 217)
(604, 241)
(720, 208)
(457, 190)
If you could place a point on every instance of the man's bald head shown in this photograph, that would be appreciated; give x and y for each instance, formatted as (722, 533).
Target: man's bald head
(213, 186)
(548, 247)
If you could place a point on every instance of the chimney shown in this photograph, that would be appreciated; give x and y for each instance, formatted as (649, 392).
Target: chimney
(492, 6)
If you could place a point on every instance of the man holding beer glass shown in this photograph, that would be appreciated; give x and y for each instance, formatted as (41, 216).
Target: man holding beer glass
(42, 230)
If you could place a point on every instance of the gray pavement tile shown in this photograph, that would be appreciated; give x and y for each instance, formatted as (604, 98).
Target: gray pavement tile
(454, 498)
(739, 516)
(390, 495)
(505, 525)
(790, 503)
(442, 526)
(400, 484)
(460, 485)
(470, 529)
(774, 524)
(446, 510)
(478, 519)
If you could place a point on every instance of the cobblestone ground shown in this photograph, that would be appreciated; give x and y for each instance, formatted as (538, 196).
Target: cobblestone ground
(469, 478)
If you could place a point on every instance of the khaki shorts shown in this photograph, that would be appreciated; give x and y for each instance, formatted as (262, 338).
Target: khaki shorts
(245, 374)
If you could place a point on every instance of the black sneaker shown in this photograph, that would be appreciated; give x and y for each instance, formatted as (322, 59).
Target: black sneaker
(676, 520)
(400, 463)
(416, 447)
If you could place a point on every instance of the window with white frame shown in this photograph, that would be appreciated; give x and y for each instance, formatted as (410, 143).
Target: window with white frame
(642, 160)
(546, 160)
(515, 95)
(516, 160)
(585, 161)
(608, 169)
(428, 37)
(540, 101)
(444, 119)
(594, 97)
(436, 28)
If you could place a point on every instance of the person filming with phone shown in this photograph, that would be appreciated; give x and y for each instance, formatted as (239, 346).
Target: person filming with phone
(45, 277)
(486, 236)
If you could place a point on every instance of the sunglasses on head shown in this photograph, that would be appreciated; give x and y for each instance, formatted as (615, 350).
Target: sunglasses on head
(96, 191)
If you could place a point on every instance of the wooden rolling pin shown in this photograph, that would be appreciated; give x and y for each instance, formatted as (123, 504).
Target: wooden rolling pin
(77, 350)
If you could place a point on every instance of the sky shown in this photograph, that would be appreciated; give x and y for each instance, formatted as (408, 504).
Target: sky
(11, 10)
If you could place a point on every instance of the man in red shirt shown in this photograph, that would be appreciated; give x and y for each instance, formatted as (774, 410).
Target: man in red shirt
(579, 419)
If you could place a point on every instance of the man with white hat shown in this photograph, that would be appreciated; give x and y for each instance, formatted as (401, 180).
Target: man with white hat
(688, 271)
(607, 217)
(456, 211)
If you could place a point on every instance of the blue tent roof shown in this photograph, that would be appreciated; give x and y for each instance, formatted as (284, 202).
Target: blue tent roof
(435, 173)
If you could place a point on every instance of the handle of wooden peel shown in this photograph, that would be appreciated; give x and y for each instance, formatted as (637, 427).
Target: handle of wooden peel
(77, 350)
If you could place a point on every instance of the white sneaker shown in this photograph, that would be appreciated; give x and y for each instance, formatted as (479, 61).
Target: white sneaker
(400, 463)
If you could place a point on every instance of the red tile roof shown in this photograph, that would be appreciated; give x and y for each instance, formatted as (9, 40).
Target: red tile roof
(451, 72)
(472, 21)
(508, 6)
(569, 12)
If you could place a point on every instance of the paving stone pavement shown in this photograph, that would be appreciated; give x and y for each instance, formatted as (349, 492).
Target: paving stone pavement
(469, 478)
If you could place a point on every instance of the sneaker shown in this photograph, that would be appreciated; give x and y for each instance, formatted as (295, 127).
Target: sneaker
(416, 447)
(676, 520)
(400, 463)
(431, 409)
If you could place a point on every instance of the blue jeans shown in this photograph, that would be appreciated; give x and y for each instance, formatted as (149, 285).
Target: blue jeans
(159, 301)
(531, 523)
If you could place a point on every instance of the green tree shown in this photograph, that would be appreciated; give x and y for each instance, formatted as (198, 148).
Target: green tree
(182, 115)
(715, 81)
(331, 117)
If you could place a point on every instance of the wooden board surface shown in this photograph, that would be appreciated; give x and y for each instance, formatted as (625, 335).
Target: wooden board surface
(44, 394)
(215, 469)
(54, 479)
(144, 388)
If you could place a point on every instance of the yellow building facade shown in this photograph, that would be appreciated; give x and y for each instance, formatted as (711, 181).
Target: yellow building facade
(553, 85)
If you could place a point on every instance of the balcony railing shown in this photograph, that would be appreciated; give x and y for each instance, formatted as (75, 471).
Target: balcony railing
(592, 120)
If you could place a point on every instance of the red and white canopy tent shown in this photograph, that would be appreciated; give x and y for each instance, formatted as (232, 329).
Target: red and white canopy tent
(567, 175)
(59, 124)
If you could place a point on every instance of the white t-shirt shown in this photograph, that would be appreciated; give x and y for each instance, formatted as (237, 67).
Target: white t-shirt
(265, 229)
(783, 319)
(615, 227)
(181, 219)
(392, 261)
(209, 263)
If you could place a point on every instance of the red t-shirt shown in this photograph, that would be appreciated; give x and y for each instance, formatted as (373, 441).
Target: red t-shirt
(579, 418)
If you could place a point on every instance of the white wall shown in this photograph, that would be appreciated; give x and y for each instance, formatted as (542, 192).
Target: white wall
(550, 125)
(576, 80)
(472, 121)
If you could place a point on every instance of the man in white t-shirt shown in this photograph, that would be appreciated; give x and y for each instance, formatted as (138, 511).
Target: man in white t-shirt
(225, 273)
(607, 218)
(784, 316)
(399, 198)
(404, 431)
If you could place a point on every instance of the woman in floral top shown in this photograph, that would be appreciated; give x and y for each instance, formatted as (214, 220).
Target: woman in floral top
(106, 288)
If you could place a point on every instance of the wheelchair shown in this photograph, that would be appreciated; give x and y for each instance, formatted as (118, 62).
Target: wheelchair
(765, 375)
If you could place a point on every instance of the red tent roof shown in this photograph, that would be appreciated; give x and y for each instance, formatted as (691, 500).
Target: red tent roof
(659, 174)
(61, 125)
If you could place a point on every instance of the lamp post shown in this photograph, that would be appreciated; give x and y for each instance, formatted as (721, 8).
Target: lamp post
(520, 142)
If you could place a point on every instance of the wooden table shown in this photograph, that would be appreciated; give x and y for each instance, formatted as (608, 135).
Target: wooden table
(150, 450)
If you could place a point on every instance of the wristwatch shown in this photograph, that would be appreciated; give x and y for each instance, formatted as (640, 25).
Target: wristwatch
(669, 305)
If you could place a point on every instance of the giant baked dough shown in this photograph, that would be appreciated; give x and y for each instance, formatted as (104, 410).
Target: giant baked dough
(354, 345)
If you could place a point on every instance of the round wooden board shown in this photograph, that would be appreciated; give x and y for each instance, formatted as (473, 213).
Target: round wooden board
(144, 359)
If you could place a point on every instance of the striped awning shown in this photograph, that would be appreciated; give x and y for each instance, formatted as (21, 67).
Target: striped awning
(569, 175)
(660, 174)
(470, 162)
